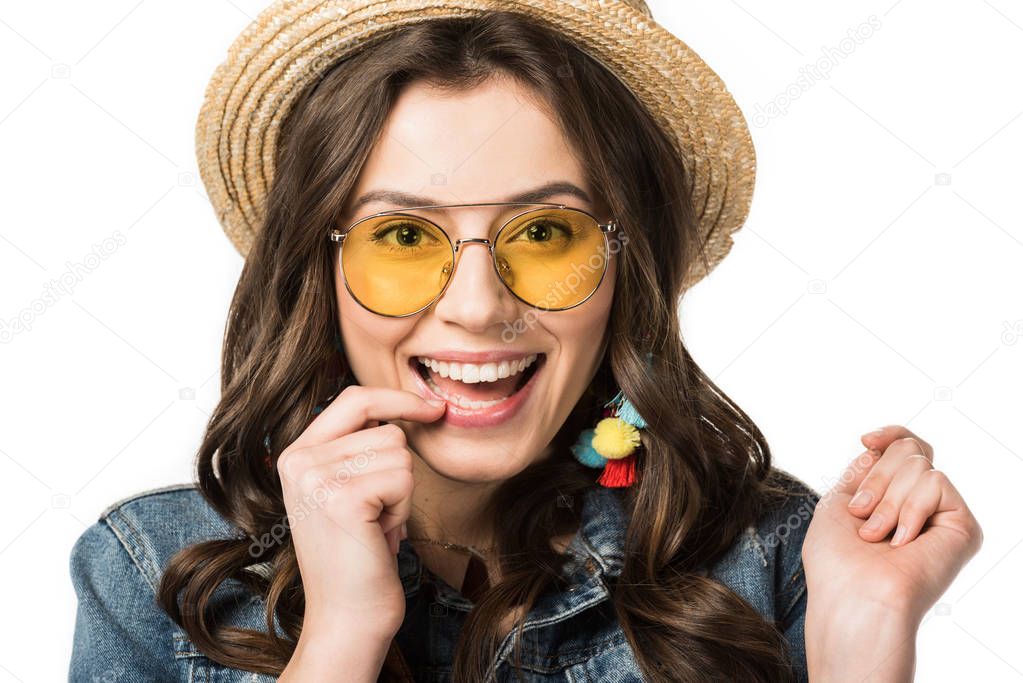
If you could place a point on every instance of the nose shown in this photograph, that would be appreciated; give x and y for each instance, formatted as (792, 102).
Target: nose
(475, 298)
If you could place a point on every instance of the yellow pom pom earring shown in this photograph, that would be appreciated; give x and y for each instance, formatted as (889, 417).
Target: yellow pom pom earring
(612, 444)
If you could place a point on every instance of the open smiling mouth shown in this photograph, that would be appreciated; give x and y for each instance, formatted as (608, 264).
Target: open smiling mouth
(477, 386)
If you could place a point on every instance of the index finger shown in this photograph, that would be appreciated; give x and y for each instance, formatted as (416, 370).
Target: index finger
(356, 405)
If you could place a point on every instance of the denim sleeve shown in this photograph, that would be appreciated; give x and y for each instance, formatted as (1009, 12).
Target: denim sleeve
(791, 596)
(120, 632)
(792, 626)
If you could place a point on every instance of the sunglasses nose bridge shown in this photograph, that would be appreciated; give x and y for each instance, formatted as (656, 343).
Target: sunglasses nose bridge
(471, 240)
(474, 240)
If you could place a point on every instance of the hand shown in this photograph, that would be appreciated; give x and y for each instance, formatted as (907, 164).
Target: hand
(347, 486)
(846, 561)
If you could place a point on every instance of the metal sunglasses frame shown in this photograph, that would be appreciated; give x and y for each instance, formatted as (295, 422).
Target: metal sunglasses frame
(338, 235)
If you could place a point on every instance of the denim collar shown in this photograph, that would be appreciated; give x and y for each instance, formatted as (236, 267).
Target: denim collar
(596, 551)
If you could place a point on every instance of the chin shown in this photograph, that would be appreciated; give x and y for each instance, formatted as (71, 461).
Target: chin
(472, 464)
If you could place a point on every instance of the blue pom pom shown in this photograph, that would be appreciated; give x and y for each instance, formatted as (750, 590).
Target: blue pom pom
(584, 452)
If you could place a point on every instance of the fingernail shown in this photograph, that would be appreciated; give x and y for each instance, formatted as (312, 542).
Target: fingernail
(404, 530)
(435, 402)
(900, 534)
(862, 497)
(877, 432)
(873, 524)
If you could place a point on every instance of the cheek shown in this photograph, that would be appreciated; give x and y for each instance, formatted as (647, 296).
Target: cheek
(369, 340)
(581, 331)
(587, 328)
(594, 321)
(594, 315)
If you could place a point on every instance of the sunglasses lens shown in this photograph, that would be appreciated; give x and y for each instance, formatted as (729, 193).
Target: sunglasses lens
(552, 258)
(395, 265)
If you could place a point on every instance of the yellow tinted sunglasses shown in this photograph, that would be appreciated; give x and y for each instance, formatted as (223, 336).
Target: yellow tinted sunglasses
(552, 257)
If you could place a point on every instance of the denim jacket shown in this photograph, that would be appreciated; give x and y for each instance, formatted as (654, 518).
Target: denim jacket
(122, 635)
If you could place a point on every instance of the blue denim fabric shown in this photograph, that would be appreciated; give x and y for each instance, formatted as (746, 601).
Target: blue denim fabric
(122, 635)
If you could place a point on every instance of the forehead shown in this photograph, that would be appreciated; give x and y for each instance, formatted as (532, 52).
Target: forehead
(484, 144)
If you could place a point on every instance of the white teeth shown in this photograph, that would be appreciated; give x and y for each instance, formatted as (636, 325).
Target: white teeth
(472, 373)
(461, 401)
(488, 373)
(441, 370)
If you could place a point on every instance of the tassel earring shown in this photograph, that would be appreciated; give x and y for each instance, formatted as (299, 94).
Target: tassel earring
(612, 444)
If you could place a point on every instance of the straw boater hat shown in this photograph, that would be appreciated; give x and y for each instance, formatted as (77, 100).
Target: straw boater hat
(293, 42)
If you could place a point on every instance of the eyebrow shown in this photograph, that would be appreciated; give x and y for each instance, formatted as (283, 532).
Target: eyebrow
(538, 194)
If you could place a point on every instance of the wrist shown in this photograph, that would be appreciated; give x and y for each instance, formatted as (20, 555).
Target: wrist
(859, 642)
(351, 655)
(362, 627)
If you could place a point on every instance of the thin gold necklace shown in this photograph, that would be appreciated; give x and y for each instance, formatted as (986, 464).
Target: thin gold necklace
(480, 552)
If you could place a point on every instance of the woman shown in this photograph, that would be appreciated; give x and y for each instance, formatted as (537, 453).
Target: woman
(400, 480)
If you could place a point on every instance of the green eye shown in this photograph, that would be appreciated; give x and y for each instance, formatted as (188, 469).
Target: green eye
(408, 236)
(539, 232)
(542, 231)
(404, 236)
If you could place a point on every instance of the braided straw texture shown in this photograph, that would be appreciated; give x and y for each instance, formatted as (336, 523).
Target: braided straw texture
(293, 42)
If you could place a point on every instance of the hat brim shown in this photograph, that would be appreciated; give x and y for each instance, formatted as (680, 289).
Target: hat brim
(291, 44)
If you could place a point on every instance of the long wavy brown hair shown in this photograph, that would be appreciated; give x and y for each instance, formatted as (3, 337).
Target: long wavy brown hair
(705, 471)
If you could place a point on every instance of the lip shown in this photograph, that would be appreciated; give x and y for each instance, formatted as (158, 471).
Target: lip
(490, 416)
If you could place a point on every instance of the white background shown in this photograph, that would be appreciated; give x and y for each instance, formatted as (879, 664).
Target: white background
(877, 281)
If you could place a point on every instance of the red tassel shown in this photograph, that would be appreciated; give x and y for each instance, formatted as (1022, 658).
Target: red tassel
(619, 473)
